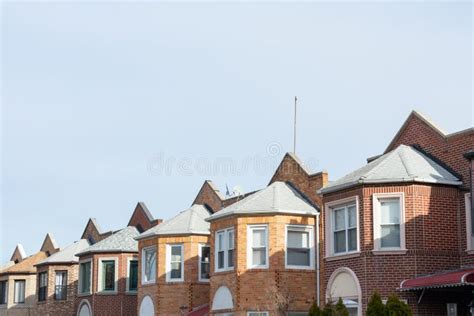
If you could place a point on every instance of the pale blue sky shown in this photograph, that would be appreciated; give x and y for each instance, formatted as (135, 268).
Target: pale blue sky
(98, 98)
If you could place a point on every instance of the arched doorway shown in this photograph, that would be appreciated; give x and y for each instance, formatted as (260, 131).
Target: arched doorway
(84, 309)
(147, 308)
(344, 284)
(222, 299)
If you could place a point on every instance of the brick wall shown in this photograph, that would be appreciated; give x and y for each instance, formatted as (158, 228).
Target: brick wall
(275, 289)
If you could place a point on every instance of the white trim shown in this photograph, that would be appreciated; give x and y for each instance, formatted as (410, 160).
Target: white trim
(226, 249)
(168, 263)
(100, 285)
(127, 288)
(356, 279)
(200, 261)
(250, 313)
(250, 229)
(376, 221)
(142, 268)
(328, 212)
(79, 283)
(469, 237)
(302, 228)
(86, 302)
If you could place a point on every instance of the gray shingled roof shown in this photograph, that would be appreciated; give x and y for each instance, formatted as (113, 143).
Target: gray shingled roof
(403, 164)
(278, 197)
(188, 222)
(68, 254)
(120, 241)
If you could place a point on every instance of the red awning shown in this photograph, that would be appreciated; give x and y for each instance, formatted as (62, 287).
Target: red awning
(199, 311)
(440, 280)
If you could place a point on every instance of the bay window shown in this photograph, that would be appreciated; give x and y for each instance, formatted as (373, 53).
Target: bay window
(257, 246)
(389, 232)
(204, 262)
(107, 275)
(148, 265)
(19, 292)
(224, 255)
(3, 292)
(174, 263)
(132, 275)
(42, 286)
(60, 286)
(85, 277)
(299, 247)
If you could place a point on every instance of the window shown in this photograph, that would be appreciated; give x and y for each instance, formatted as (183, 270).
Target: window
(345, 229)
(60, 286)
(148, 265)
(132, 280)
(224, 249)
(388, 222)
(85, 277)
(299, 247)
(174, 263)
(257, 314)
(3, 292)
(204, 262)
(469, 222)
(19, 290)
(257, 246)
(42, 286)
(107, 274)
(452, 309)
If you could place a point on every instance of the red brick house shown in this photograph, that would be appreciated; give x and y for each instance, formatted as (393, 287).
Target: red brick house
(403, 223)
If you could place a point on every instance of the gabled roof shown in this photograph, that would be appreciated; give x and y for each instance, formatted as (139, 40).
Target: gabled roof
(188, 222)
(93, 222)
(141, 207)
(278, 197)
(66, 255)
(403, 164)
(49, 244)
(27, 265)
(120, 241)
(19, 253)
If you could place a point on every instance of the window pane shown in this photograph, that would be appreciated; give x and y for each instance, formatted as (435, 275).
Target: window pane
(133, 275)
(19, 291)
(298, 257)
(259, 256)
(390, 211)
(85, 277)
(351, 210)
(220, 260)
(339, 219)
(108, 275)
(220, 242)
(390, 236)
(352, 239)
(258, 237)
(60, 289)
(175, 253)
(340, 241)
(176, 270)
(230, 258)
(298, 239)
(3, 292)
(230, 236)
(205, 262)
(150, 264)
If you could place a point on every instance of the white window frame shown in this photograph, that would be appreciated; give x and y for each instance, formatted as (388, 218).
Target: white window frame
(255, 312)
(100, 285)
(168, 263)
(226, 249)
(329, 214)
(14, 291)
(469, 237)
(377, 218)
(302, 228)
(127, 289)
(250, 229)
(143, 265)
(200, 262)
(79, 283)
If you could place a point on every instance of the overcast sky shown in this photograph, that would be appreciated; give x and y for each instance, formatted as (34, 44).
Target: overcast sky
(106, 104)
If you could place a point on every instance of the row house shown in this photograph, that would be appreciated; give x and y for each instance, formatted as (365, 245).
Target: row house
(18, 280)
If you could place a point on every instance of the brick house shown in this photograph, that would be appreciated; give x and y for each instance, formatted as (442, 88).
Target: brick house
(57, 278)
(175, 261)
(108, 269)
(263, 254)
(18, 280)
(401, 223)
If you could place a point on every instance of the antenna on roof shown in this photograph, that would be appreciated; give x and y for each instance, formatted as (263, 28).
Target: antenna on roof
(227, 192)
(294, 129)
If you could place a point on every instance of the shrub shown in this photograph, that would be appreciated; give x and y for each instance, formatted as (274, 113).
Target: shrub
(315, 310)
(395, 307)
(375, 306)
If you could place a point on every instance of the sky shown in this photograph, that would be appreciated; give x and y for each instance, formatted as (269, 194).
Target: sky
(104, 104)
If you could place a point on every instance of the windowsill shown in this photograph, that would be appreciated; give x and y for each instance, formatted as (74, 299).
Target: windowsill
(107, 293)
(470, 252)
(224, 270)
(204, 280)
(84, 294)
(149, 283)
(258, 268)
(348, 255)
(382, 252)
(299, 268)
(131, 292)
(174, 281)
(41, 302)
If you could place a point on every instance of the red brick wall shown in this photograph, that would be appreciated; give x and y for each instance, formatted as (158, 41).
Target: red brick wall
(122, 303)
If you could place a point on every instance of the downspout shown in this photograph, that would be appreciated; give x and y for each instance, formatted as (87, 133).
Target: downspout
(317, 260)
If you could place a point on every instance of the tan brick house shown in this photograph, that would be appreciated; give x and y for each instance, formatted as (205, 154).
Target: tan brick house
(57, 278)
(175, 264)
(18, 280)
(400, 224)
(263, 254)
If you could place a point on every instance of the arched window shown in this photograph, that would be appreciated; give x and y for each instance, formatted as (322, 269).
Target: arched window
(344, 284)
(146, 307)
(84, 309)
(222, 299)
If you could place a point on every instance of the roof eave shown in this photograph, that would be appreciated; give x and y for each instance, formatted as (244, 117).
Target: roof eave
(266, 212)
(82, 254)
